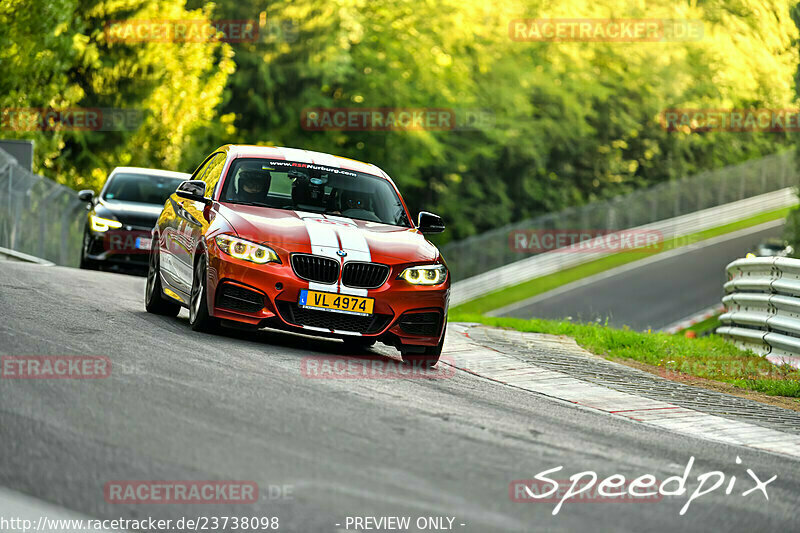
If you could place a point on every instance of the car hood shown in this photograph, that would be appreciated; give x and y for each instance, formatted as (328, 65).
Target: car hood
(130, 213)
(299, 231)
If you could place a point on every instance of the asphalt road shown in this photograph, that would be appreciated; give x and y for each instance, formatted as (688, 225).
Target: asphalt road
(180, 405)
(653, 295)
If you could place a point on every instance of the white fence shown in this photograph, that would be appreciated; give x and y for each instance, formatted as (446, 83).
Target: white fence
(563, 258)
(38, 216)
(762, 305)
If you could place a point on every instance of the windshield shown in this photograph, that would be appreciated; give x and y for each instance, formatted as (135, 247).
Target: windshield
(141, 188)
(313, 188)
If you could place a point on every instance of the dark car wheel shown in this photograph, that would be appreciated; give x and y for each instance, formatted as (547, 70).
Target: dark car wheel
(154, 300)
(199, 319)
(86, 264)
(429, 356)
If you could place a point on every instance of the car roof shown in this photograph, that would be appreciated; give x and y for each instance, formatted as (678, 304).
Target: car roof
(303, 156)
(152, 172)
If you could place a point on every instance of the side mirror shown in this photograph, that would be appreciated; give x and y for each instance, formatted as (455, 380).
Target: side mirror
(86, 195)
(429, 223)
(193, 190)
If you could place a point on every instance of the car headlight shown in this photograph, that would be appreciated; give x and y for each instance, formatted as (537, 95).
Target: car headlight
(101, 225)
(246, 250)
(424, 275)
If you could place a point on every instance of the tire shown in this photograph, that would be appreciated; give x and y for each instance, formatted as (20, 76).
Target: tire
(86, 264)
(154, 301)
(358, 344)
(199, 319)
(429, 356)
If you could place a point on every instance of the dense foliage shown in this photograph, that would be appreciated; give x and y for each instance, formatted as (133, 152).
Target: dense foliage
(570, 122)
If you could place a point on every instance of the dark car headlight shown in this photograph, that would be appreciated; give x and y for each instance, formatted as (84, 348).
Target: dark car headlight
(101, 225)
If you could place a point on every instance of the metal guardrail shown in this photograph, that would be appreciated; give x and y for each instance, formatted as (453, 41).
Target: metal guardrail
(38, 216)
(488, 251)
(762, 305)
(556, 260)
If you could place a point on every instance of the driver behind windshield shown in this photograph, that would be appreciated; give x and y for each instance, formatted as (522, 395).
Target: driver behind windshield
(252, 186)
(356, 204)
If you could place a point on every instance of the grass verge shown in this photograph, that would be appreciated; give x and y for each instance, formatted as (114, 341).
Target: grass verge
(534, 287)
(703, 327)
(674, 357)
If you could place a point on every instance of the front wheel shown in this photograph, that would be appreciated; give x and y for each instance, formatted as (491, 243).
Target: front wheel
(86, 264)
(154, 301)
(199, 319)
(428, 358)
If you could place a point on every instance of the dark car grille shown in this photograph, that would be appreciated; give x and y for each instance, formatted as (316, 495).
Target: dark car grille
(315, 268)
(294, 314)
(364, 275)
(238, 298)
(420, 323)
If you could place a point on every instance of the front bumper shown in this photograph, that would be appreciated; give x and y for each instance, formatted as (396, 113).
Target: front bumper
(126, 248)
(266, 296)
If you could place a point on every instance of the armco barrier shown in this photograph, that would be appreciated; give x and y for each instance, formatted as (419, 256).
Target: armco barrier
(557, 260)
(762, 304)
(38, 216)
(488, 251)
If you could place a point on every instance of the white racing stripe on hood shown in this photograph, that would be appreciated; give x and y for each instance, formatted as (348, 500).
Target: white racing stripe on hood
(325, 233)
(324, 242)
(355, 244)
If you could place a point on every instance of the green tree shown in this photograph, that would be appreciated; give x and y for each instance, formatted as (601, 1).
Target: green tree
(175, 87)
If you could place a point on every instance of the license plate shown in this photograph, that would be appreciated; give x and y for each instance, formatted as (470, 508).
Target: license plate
(143, 243)
(339, 303)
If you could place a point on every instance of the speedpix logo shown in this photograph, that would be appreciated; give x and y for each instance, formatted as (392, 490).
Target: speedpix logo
(583, 487)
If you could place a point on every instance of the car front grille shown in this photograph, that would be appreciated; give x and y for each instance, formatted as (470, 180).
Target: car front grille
(238, 298)
(294, 314)
(315, 268)
(364, 275)
(420, 323)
